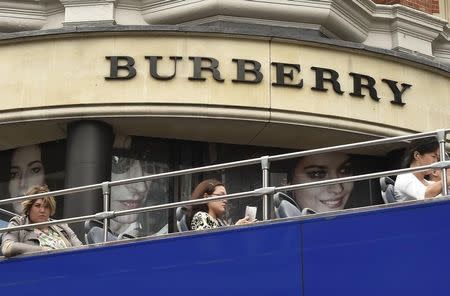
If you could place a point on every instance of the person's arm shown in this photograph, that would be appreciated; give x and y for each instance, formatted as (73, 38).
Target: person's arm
(72, 237)
(436, 187)
(10, 248)
(11, 245)
(433, 189)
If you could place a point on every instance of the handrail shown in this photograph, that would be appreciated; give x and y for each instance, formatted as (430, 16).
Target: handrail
(208, 168)
(252, 193)
(265, 190)
(112, 214)
(356, 145)
(6, 212)
(51, 193)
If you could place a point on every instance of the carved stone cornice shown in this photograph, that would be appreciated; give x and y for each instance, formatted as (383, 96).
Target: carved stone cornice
(21, 15)
(89, 12)
(338, 17)
(67, 3)
(383, 26)
(401, 28)
(441, 47)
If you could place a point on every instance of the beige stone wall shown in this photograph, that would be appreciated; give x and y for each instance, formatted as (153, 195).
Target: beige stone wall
(58, 80)
(72, 71)
(424, 100)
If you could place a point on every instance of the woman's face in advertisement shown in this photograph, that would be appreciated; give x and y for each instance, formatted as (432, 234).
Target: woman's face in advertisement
(129, 196)
(26, 171)
(323, 167)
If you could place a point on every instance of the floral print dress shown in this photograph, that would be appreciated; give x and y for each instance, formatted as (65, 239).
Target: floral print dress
(52, 239)
(203, 220)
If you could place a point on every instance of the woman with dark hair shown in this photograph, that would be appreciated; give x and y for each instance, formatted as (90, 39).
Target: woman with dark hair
(208, 215)
(26, 170)
(414, 186)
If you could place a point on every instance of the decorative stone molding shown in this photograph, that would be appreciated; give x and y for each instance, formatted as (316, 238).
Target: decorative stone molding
(55, 14)
(338, 17)
(402, 28)
(441, 47)
(383, 26)
(21, 15)
(89, 12)
(129, 12)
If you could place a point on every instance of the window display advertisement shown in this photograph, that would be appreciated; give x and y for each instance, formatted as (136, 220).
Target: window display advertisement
(33, 165)
(135, 156)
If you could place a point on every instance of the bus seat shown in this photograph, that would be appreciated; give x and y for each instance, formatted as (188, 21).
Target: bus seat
(180, 214)
(387, 189)
(93, 232)
(285, 206)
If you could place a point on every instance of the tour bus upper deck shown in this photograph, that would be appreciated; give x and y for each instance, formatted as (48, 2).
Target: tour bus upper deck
(265, 192)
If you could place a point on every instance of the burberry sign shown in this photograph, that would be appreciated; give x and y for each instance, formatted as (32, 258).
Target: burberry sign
(250, 72)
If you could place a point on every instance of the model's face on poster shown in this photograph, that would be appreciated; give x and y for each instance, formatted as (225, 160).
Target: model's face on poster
(26, 171)
(322, 167)
(132, 161)
(129, 196)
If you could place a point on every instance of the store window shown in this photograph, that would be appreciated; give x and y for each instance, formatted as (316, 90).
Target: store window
(138, 156)
(134, 156)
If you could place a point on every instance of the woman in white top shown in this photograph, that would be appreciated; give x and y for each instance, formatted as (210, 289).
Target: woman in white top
(414, 186)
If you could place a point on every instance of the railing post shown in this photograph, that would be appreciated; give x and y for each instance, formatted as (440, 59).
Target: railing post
(105, 190)
(265, 165)
(441, 139)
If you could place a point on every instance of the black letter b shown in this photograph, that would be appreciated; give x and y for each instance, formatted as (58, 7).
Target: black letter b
(114, 69)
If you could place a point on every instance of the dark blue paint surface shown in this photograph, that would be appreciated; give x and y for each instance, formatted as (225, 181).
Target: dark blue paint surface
(402, 251)
(396, 251)
(258, 261)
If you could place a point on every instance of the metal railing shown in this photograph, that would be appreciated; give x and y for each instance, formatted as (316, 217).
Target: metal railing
(265, 191)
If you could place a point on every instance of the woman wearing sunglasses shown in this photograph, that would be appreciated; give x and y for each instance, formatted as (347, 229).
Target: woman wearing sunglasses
(208, 215)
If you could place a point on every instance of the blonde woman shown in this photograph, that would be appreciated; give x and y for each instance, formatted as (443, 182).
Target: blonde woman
(40, 238)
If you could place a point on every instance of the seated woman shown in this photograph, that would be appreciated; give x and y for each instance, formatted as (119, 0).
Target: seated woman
(41, 238)
(414, 186)
(208, 216)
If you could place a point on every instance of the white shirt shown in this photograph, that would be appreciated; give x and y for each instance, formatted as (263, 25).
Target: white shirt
(408, 187)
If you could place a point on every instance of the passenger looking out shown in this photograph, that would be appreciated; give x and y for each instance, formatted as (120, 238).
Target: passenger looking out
(208, 216)
(41, 238)
(321, 167)
(415, 186)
